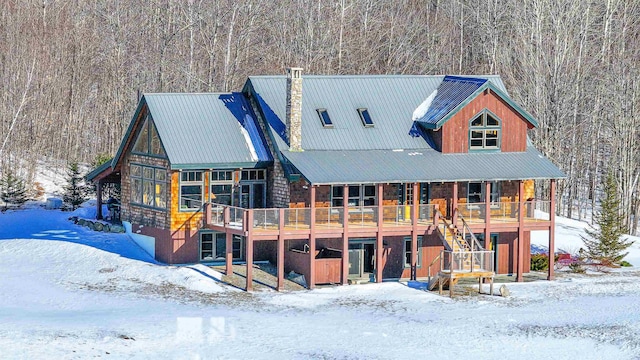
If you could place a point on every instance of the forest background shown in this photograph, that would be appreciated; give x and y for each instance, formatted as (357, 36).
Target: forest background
(71, 71)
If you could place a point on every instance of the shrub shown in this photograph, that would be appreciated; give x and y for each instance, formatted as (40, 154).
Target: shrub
(539, 262)
(625, 263)
(76, 191)
(577, 268)
(12, 190)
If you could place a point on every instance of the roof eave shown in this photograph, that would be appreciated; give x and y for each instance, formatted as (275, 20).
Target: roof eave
(226, 165)
(128, 133)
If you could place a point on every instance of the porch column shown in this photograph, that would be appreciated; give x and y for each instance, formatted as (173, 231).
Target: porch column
(414, 232)
(520, 260)
(228, 256)
(312, 237)
(280, 256)
(552, 230)
(248, 226)
(379, 237)
(487, 215)
(345, 235)
(206, 219)
(99, 200)
(454, 205)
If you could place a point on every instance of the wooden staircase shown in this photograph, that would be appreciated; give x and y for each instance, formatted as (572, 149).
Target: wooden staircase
(463, 257)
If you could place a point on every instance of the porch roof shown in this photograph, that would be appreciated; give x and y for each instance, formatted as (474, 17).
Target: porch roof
(419, 165)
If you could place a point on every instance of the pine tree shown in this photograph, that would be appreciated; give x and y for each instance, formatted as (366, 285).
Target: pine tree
(12, 190)
(605, 243)
(76, 191)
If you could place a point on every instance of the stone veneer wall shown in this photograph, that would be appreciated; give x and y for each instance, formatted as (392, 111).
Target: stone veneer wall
(294, 108)
(139, 214)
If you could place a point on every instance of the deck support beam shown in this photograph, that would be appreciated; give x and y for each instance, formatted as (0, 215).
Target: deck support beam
(228, 256)
(520, 253)
(99, 200)
(311, 282)
(414, 231)
(454, 205)
(552, 230)
(487, 215)
(345, 235)
(379, 237)
(248, 226)
(280, 256)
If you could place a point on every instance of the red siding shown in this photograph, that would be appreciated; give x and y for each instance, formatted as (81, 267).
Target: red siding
(455, 132)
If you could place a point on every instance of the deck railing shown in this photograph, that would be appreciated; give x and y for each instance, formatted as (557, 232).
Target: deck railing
(369, 216)
(506, 211)
(467, 261)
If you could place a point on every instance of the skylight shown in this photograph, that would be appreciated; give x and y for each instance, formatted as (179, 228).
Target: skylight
(324, 118)
(365, 117)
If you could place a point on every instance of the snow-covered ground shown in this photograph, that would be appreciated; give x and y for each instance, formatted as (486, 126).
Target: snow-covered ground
(69, 293)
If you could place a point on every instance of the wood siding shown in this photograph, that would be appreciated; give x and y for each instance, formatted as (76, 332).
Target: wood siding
(455, 132)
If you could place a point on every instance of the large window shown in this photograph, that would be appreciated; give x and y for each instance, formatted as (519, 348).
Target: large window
(221, 186)
(213, 246)
(484, 132)
(149, 186)
(407, 252)
(359, 195)
(476, 192)
(148, 141)
(191, 189)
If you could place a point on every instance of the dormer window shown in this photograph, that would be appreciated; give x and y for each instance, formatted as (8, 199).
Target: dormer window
(484, 132)
(365, 117)
(324, 118)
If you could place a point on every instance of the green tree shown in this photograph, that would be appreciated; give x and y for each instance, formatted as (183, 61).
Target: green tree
(76, 191)
(605, 243)
(12, 190)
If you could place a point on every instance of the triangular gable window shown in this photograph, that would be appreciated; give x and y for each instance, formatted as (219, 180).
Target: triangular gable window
(148, 142)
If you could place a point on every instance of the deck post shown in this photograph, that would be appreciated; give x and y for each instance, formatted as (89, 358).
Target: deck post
(229, 243)
(379, 237)
(436, 216)
(454, 205)
(345, 235)
(487, 215)
(520, 253)
(312, 238)
(552, 230)
(99, 200)
(207, 214)
(414, 232)
(248, 225)
(280, 256)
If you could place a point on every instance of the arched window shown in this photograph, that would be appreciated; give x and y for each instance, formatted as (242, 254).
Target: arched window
(484, 132)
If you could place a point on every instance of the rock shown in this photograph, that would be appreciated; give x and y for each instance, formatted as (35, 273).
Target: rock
(117, 229)
(504, 292)
(98, 226)
(106, 228)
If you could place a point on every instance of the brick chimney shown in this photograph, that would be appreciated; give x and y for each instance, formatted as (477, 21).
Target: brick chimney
(294, 108)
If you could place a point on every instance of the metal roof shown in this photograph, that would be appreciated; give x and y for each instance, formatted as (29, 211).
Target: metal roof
(453, 91)
(390, 100)
(424, 165)
(207, 130)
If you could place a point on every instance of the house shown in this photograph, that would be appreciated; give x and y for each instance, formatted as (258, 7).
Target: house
(339, 178)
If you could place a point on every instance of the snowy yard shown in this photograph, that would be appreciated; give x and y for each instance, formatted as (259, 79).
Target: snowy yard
(68, 292)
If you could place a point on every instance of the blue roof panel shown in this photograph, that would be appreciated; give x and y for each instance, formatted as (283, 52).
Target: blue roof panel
(453, 91)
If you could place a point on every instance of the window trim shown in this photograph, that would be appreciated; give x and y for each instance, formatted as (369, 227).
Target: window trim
(365, 117)
(495, 185)
(407, 239)
(190, 183)
(155, 182)
(361, 195)
(326, 121)
(484, 128)
(149, 125)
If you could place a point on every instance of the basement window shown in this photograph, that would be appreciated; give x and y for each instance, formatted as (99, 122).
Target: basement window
(324, 118)
(365, 117)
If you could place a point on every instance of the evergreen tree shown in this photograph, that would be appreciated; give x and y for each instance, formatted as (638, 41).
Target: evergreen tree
(76, 191)
(605, 243)
(12, 190)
